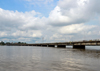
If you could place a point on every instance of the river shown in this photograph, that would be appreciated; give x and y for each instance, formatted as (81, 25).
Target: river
(31, 58)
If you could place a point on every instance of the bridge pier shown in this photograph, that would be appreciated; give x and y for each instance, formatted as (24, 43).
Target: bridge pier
(79, 46)
(44, 45)
(51, 45)
(61, 46)
(38, 45)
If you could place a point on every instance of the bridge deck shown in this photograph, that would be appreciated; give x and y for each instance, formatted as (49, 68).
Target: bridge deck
(86, 43)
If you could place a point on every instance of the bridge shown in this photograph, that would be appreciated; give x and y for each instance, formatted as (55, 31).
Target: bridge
(75, 44)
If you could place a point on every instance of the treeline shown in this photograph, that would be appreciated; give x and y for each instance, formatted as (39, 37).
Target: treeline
(9, 43)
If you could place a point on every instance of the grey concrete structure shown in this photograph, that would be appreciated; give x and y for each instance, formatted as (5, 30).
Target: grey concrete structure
(61, 46)
(75, 44)
(51, 45)
(79, 46)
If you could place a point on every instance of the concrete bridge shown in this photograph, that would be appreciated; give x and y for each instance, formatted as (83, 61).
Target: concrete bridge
(75, 44)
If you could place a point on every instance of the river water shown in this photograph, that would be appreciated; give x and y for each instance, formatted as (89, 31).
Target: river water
(30, 58)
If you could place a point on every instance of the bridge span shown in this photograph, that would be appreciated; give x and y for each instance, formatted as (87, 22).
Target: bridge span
(75, 44)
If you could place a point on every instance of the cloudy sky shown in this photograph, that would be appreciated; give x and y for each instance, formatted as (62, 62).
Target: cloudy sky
(36, 21)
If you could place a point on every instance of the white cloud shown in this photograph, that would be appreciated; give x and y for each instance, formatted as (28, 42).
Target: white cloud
(75, 28)
(74, 11)
(68, 21)
(19, 24)
(3, 34)
(56, 18)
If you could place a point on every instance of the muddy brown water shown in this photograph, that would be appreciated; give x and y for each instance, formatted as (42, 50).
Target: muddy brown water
(29, 58)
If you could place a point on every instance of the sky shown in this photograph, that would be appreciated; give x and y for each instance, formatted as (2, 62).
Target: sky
(43, 21)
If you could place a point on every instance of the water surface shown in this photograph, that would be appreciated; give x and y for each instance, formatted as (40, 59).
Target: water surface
(30, 58)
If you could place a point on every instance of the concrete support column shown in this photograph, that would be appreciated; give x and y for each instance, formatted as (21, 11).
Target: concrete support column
(38, 45)
(79, 46)
(51, 45)
(44, 45)
(96, 43)
(61, 46)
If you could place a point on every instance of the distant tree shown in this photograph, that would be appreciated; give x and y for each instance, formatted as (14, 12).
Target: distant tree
(19, 42)
(2, 43)
(7, 43)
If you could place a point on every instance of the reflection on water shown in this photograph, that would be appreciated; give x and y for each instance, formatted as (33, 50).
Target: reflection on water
(25, 58)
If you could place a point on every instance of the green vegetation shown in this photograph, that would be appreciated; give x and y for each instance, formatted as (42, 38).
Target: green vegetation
(2, 43)
(11, 43)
